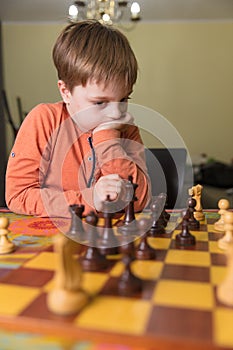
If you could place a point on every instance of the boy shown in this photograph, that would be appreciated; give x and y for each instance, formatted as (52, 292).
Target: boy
(80, 150)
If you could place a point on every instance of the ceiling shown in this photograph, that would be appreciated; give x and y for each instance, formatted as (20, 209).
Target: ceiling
(151, 10)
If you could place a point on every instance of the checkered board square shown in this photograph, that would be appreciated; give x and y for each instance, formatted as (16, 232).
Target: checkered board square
(177, 306)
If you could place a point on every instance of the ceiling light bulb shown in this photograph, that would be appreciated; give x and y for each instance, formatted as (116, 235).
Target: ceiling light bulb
(73, 11)
(106, 17)
(135, 10)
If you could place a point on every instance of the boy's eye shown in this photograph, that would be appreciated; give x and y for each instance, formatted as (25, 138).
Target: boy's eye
(125, 99)
(100, 103)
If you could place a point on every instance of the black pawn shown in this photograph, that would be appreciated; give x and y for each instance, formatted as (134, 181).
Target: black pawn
(92, 260)
(107, 243)
(185, 238)
(127, 246)
(157, 226)
(129, 284)
(143, 250)
(193, 223)
(165, 215)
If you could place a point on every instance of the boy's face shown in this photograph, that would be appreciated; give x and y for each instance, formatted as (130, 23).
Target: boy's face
(95, 104)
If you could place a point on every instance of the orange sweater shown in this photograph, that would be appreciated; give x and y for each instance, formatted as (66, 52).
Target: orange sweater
(51, 162)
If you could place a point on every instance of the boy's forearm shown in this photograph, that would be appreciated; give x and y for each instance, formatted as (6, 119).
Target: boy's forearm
(124, 157)
(44, 202)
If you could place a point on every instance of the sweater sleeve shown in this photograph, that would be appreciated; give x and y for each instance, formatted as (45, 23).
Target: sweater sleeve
(123, 153)
(26, 190)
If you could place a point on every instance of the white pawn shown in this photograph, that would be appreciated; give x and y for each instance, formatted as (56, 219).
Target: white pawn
(224, 242)
(223, 205)
(5, 245)
(225, 289)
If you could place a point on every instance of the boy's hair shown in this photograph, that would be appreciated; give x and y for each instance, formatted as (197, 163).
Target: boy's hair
(89, 50)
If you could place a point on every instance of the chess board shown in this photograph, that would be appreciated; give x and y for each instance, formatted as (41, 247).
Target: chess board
(178, 305)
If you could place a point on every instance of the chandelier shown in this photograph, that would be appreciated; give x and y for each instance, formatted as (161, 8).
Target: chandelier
(105, 11)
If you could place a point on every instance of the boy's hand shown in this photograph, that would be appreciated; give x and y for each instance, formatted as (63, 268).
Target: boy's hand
(118, 124)
(113, 186)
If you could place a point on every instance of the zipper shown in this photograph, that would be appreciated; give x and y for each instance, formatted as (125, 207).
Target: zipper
(91, 178)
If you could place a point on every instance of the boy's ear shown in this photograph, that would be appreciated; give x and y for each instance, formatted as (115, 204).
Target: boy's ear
(64, 91)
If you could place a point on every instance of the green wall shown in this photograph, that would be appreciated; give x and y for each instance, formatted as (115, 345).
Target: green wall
(186, 74)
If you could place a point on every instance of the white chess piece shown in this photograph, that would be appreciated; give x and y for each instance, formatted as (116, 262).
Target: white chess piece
(67, 296)
(223, 205)
(223, 242)
(5, 245)
(196, 192)
(225, 289)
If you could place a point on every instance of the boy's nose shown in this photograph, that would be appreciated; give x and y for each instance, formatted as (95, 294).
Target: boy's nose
(117, 109)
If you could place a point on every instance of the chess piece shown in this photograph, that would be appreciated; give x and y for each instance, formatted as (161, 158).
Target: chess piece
(225, 289)
(67, 297)
(223, 205)
(129, 212)
(144, 251)
(157, 226)
(5, 245)
(196, 192)
(129, 284)
(165, 215)
(129, 224)
(193, 223)
(224, 242)
(107, 243)
(126, 246)
(76, 226)
(92, 260)
(185, 238)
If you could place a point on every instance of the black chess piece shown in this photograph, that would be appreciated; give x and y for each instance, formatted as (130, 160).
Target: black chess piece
(128, 225)
(128, 283)
(193, 222)
(157, 226)
(126, 246)
(185, 238)
(92, 260)
(143, 250)
(164, 214)
(76, 226)
(129, 211)
(107, 243)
